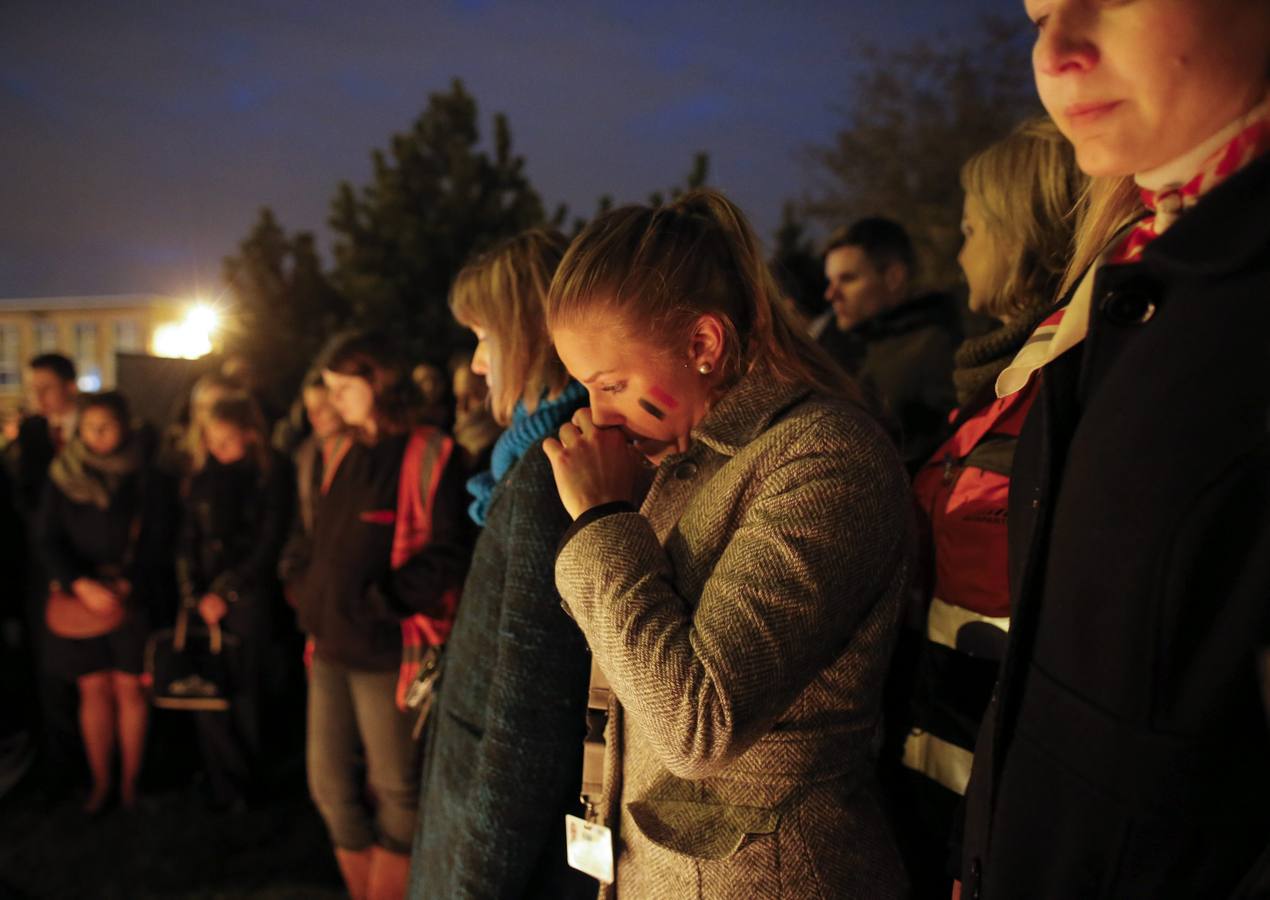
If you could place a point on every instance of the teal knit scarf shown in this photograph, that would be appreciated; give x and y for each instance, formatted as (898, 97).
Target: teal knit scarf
(527, 429)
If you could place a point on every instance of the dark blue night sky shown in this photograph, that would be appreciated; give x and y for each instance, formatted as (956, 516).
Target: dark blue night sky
(139, 139)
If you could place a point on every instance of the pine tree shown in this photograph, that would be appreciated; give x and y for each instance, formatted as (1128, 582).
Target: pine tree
(916, 116)
(281, 304)
(435, 198)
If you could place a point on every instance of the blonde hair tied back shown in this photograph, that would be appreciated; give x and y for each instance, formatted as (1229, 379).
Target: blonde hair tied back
(657, 270)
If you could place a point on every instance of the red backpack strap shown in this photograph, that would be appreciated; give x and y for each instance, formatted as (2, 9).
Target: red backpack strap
(428, 451)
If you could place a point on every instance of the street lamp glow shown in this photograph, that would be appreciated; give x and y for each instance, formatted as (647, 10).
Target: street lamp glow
(202, 317)
(190, 338)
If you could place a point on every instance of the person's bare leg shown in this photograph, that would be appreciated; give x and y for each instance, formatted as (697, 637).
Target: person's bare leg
(97, 730)
(134, 712)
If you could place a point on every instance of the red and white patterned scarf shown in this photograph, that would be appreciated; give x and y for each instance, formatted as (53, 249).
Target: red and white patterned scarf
(1167, 193)
(1174, 188)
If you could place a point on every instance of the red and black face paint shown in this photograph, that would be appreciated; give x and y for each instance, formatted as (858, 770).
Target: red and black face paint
(652, 409)
(663, 402)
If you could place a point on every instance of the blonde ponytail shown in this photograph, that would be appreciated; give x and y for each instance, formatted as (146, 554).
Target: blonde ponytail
(659, 269)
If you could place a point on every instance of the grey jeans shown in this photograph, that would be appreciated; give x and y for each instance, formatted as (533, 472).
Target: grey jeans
(354, 726)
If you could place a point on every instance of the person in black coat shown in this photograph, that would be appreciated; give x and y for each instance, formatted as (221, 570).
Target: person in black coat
(897, 345)
(101, 531)
(238, 506)
(52, 706)
(1125, 754)
(502, 764)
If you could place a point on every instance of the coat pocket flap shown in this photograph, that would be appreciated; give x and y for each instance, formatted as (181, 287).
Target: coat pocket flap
(698, 829)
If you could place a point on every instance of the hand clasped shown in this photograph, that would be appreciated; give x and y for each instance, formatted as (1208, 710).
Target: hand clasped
(593, 465)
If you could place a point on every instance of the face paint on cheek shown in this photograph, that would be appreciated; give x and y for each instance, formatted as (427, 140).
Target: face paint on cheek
(663, 398)
(651, 409)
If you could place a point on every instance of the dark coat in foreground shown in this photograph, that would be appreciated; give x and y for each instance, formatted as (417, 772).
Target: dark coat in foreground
(744, 620)
(502, 764)
(1128, 754)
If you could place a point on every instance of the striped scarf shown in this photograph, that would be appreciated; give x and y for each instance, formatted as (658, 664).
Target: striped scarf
(1167, 193)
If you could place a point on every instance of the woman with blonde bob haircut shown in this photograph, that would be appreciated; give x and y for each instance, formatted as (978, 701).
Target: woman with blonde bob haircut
(1022, 196)
(502, 293)
(503, 757)
(1125, 751)
(742, 608)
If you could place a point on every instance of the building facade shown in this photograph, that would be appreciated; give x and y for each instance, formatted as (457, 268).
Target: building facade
(89, 330)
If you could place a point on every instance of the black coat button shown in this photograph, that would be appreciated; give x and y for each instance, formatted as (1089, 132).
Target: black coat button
(1128, 305)
(685, 470)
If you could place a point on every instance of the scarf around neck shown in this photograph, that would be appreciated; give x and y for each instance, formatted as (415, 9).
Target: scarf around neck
(979, 360)
(526, 429)
(1167, 193)
(85, 477)
(1170, 190)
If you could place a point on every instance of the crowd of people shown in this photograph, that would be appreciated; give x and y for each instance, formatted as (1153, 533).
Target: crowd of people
(689, 596)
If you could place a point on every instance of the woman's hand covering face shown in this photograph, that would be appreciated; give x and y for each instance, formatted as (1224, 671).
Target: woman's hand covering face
(592, 465)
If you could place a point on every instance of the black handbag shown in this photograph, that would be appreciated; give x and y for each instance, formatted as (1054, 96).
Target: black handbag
(189, 668)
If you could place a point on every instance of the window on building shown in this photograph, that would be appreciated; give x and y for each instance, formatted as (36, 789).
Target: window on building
(87, 360)
(46, 337)
(127, 336)
(10, 359)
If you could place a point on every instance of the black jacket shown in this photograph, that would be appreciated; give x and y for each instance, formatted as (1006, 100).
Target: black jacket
(234, 522)
(349, 598)
(903, 360)
(78, 540)
(1127, 752)
(28, 459)
(504, 756)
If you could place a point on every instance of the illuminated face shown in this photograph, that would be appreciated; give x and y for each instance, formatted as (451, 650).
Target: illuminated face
(321, 412)
(100, 430)
(980, 258)
(225, 441)
(50, 395)
(857, 290)
(1134, 84)
(352, 397)
(655, 397)
(484, 360)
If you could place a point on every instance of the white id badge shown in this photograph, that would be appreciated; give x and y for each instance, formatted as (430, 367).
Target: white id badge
(590, 848)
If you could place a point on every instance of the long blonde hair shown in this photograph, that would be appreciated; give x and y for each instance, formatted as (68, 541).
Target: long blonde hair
(1029, 190)
(503, 291)
(659, 269)
(1110, 203)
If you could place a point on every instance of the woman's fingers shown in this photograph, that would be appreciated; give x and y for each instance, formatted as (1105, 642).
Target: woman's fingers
(570, 435)
(583, 422)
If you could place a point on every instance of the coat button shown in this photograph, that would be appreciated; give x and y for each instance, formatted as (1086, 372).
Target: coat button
(1128, 306)
(685, 470)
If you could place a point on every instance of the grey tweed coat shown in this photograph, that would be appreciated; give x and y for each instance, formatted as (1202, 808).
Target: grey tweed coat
(744, 619)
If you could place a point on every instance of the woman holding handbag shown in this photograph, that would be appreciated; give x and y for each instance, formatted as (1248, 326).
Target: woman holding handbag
(97, 526)
(390, 547)
(237, 508)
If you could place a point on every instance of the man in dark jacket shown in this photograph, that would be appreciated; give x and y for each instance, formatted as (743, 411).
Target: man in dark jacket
(51, 384)
(898, 345)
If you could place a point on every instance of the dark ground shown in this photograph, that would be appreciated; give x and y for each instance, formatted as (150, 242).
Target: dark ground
(172, 845)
